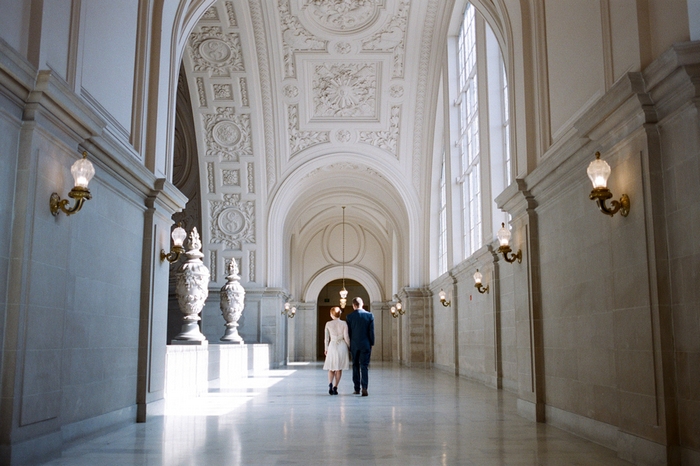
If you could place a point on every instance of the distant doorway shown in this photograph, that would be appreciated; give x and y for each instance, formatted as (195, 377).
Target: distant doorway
(330, 297)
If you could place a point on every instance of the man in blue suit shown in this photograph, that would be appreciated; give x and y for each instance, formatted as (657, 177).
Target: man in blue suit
(361, 330)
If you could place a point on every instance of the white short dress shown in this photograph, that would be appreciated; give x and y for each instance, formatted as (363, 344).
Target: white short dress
(337, 343)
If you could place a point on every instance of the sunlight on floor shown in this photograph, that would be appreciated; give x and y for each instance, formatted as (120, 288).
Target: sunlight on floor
(221, 401)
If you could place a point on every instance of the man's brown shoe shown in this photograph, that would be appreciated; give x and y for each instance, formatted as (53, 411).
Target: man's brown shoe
(356, 392)
(364, 392)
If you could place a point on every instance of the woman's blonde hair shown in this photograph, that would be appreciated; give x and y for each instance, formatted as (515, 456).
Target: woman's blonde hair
(336, 311)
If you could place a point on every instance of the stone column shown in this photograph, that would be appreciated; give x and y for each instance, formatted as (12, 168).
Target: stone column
(192, 291)
(232, 303)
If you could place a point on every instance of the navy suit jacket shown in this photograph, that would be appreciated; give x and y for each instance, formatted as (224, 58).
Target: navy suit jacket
(361, 330)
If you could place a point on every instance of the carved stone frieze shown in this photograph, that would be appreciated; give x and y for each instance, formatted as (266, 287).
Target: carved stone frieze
(210, 178)
(216, 52)
(231, 13)
(251, 266)
(345, 90)
(343, 48)
(295, 37)
(387, 140)
(343, 16)
(244, 92)
(396, 91)
(201, 93)
(211, 14)
(223, 91)
(231, 177)
(291, 91)
(232, 221)
(251, 178)
(392, 38)
(265, 83)
(212, 264)
(343, 167)
(300, 140)
(227, 134)
(342, 135)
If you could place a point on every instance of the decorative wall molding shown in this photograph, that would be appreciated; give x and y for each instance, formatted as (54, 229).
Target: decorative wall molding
(342, 90)
(232, 221)
(386, 140)
(216, 52)
(223, 91)
(231, 13)
(421, 90)
(265, 90)
(210, 178)
(231, 177)
(227, 135)
(251, 178)
(300, 140)
(201, 93)
(343, 16)
(392, 38)
(243, 83)
(251, 266)
(295, 38)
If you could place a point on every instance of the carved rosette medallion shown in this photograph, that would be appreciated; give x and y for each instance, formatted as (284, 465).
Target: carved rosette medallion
(343, 16)
(290, 91)
(345, 90)
(227, 134)
(396, 91)
(192, 289)
(343, 48)
(232, 301)
(214, 52)
(342, 135)
(232, 221)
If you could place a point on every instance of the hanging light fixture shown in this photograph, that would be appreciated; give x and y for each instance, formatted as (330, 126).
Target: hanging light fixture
(343, 292)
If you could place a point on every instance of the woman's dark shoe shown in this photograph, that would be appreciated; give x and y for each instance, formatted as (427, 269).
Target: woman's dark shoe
(335, 390)
(330, 388)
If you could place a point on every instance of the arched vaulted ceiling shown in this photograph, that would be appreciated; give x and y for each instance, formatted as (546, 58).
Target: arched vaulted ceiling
(305, 104)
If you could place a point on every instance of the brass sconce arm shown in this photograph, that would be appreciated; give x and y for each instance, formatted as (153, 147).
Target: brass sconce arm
(58, 205)
(173, 255)
(443, 299)
(482, 289)
(505, 250)
(600, 195)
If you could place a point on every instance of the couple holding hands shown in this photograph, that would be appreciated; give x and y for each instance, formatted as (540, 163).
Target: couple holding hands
(357, 335)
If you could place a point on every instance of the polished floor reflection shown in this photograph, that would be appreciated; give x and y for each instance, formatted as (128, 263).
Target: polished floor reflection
(286, 417)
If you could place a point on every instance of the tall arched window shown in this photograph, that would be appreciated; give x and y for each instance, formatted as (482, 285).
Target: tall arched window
(468, 102)
(477, 163)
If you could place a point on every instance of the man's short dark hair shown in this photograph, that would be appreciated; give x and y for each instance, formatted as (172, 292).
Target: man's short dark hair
(357, 302)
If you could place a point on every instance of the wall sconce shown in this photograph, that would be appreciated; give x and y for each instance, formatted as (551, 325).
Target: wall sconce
(599, 171)
(477, 283)
(82, 171)
(504, 239)
(443, 298)
(179, 234)
(289, 310)
(397, 309)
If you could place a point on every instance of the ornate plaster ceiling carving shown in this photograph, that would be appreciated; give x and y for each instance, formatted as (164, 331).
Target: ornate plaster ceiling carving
(342, 16)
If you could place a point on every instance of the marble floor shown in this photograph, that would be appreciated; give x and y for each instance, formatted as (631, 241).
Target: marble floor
(286, 417)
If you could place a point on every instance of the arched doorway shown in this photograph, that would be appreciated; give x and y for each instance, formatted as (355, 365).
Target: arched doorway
(328, 298)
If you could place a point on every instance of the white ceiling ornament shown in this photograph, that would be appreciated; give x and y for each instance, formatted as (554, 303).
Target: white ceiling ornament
(300, 140)
(232, 221)
(214, 52)
(345, 90)
(343, 167)
(386, 140)
(392, 38)
(296, 38)
(227, 134)
(343, 16)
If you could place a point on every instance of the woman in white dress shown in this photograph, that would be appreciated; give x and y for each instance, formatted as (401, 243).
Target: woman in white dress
(337, 344)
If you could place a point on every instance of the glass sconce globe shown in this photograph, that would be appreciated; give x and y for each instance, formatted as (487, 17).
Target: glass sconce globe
(477, 277)
(503, 235)
(179, 234)
(598, 171)
(82, 171)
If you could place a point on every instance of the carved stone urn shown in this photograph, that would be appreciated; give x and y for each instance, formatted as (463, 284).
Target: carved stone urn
(232, 303)
(192, 289)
